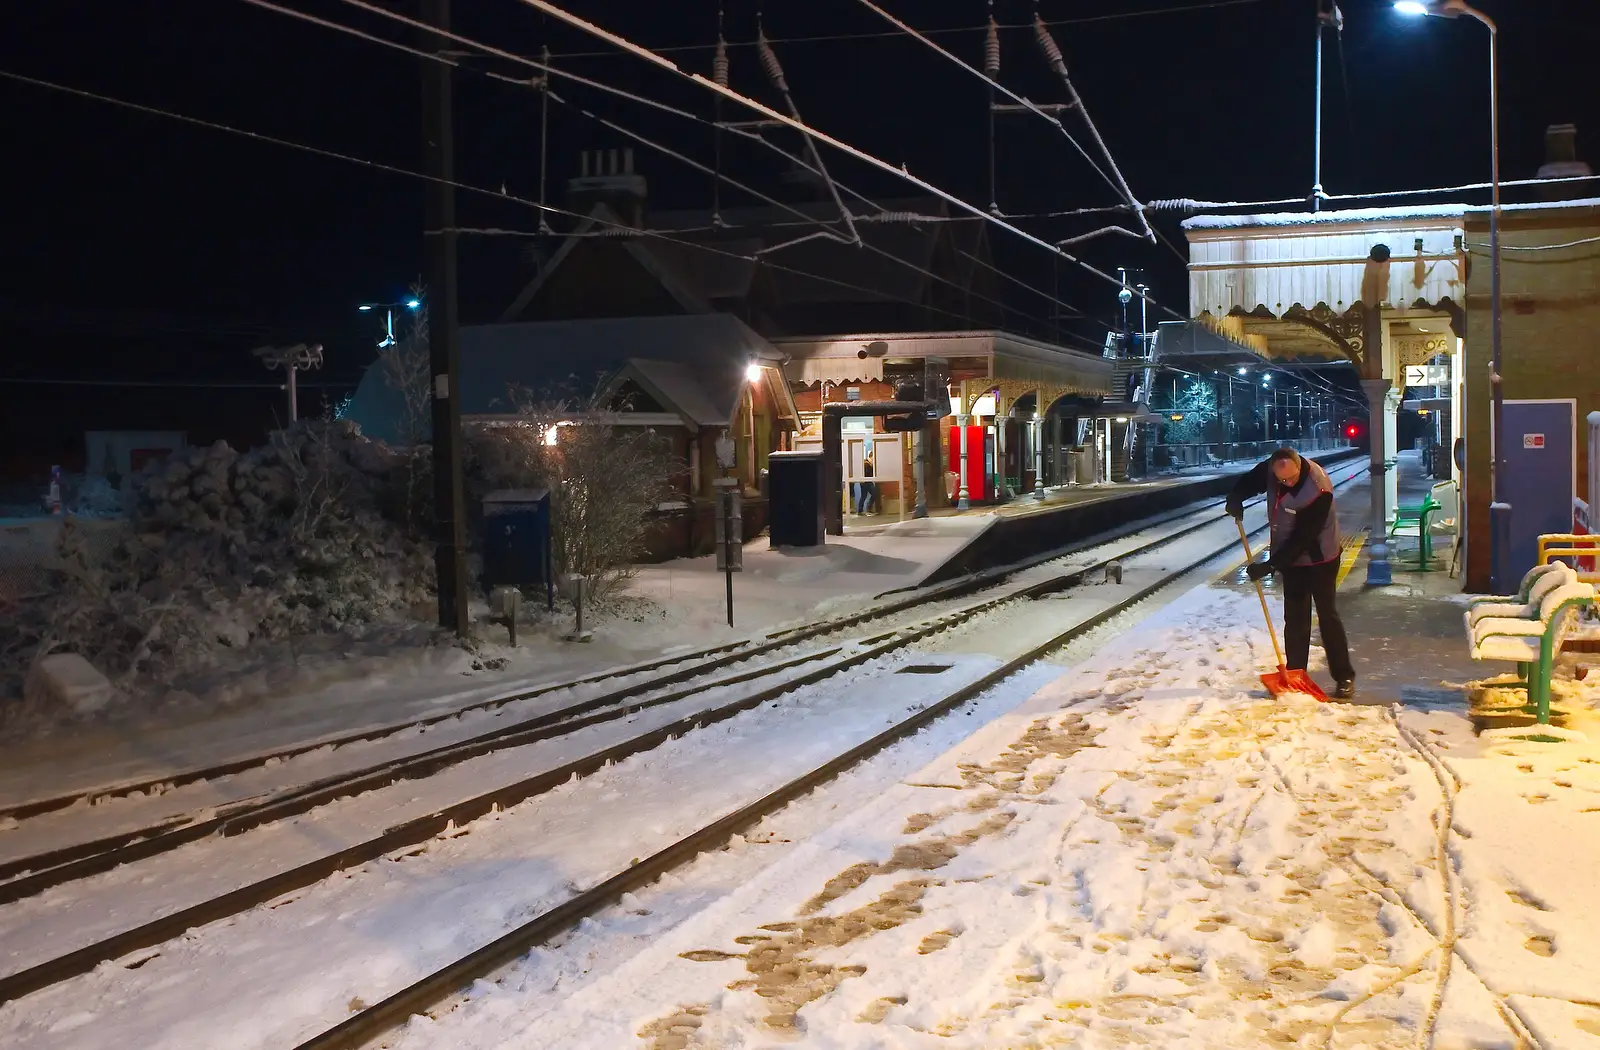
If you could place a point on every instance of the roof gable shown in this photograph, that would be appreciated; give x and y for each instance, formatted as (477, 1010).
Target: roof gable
(593, 230)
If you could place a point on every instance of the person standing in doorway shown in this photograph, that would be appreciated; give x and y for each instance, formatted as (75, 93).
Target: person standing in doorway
(1305, 552)
(869, 488)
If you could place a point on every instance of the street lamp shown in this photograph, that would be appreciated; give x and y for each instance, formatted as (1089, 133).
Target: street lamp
(1499, 513)
(388, 316)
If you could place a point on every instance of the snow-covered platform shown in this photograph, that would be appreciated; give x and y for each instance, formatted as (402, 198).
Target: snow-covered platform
(1148, 851)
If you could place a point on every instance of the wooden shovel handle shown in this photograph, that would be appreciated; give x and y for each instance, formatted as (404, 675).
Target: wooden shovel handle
(1272, 631)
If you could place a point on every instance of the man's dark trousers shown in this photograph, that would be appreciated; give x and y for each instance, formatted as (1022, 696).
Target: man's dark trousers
(1303, 586)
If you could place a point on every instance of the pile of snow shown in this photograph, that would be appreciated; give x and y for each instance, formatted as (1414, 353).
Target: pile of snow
(222, 549)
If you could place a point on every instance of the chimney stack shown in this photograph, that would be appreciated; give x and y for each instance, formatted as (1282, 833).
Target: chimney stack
(1561, 162)
(607, 176)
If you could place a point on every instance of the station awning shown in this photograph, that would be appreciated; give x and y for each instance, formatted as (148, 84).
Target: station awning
(1297, 280)
(1002, 356)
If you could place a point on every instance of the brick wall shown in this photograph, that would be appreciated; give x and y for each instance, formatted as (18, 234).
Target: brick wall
(1550, 340)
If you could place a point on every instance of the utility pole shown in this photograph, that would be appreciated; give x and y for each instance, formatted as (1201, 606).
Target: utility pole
(444, 354)
(291, 359)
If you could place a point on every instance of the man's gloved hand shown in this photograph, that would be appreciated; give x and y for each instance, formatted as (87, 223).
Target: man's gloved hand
(1259, 570)
(1235, 508)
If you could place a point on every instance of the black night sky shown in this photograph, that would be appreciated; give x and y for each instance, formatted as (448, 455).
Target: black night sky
(141, 249)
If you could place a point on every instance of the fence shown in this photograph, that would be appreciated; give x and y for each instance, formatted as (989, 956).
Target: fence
(28, 551)
(1204, 453)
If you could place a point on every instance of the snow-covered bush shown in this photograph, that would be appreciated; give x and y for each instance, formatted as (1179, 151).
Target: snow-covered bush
(92, 496)
(223, 548)
(605, 482)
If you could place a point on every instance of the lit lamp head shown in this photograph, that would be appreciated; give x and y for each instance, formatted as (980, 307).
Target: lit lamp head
(1433, 8)
(752, 372)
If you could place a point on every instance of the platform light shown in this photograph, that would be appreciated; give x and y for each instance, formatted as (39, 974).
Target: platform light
(752, 372)
(1122, 419)
(413, 304)
(1414, 8)
(1244, 371)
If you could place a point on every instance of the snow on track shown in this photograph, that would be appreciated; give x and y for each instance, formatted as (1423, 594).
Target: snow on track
(199, 800)
(1144, 853)
(243, 982)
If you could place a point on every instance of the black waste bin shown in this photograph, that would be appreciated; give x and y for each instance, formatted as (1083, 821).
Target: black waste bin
(794, 506)
(516, 541)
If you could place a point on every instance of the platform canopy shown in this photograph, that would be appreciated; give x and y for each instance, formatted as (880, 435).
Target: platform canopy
(1291, 285)
(1014, 360)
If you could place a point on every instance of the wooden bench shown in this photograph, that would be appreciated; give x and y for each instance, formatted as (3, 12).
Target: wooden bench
(1529, 632)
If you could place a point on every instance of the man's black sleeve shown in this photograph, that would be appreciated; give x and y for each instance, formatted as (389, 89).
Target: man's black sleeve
(1251, 483)
(1308, 523)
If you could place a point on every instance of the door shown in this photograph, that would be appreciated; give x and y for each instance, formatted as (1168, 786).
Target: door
(1540, 476)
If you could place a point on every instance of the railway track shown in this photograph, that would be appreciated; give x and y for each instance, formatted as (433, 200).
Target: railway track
(655, 673)
(642, 687)
(435, 991)
(801, 670)
(771, 679)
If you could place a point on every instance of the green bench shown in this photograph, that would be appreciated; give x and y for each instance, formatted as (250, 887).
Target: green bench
(1418, 515)
(1527, 628)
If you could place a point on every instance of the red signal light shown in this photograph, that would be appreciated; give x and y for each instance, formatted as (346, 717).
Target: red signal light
(1352, 430)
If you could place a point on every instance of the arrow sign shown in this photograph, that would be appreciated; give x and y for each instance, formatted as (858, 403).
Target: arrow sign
(1427, 375)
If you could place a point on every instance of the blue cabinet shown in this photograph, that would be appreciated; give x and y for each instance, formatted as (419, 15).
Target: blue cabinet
(516, 541)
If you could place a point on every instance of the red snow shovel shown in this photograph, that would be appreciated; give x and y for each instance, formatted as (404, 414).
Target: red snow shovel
(1282, 680)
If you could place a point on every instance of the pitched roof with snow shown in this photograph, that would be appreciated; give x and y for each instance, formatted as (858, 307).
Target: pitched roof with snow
(693, 364)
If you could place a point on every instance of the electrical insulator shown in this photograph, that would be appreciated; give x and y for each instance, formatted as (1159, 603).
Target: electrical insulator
(991, 49)
(719, 64)
(769, 61)
(1052, 53)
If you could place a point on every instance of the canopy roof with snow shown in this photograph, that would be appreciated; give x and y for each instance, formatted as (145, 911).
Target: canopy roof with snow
(692, 367)
(1290, 283)
(1001, 356)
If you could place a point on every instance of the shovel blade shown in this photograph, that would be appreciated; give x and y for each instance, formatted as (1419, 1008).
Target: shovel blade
(1284, 681)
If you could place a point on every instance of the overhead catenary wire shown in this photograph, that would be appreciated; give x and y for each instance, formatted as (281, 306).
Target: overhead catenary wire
(1190, 204)
(1053, 55)
(550, 71)
(621, 228)
(1176, 9)
(767, 111)
(769, 62)
(691, 162)
(546, 69)
(995, 85)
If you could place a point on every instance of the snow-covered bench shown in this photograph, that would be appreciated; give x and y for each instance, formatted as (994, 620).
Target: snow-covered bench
(1529, 632)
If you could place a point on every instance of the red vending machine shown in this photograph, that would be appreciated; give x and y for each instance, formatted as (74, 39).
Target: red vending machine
(978, 460)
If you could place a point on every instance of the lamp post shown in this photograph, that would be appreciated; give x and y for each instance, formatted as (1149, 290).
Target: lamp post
(1499, 513)
(388, 316)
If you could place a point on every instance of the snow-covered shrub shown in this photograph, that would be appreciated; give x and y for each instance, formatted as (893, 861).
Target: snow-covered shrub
(605, 481)
(223, 548)
(92, 496)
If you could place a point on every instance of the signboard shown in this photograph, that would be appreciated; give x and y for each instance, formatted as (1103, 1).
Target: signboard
(852, 393)
(1427, 375)
(1533, 441)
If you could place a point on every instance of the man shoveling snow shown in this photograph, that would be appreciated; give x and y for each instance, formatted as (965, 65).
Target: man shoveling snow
(1305, 551)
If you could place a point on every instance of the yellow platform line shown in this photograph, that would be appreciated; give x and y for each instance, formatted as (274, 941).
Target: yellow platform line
(1352, 550)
